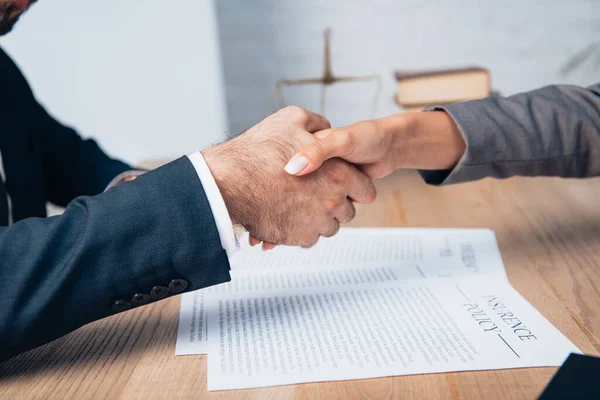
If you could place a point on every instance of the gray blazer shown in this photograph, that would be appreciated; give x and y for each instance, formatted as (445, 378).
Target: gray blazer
(553, 131)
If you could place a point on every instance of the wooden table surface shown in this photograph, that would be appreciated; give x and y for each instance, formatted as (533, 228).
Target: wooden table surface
(549, 235)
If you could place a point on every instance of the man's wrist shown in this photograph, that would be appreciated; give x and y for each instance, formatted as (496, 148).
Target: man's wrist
(216, 202)
(223, 170)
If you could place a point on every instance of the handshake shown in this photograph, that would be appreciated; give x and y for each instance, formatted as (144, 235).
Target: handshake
(291, 178)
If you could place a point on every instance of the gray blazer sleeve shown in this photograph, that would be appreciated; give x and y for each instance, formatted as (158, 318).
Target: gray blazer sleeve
(153, 236)
(553, 131)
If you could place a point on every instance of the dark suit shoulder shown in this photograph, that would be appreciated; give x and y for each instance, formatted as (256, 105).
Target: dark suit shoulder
(12, 80)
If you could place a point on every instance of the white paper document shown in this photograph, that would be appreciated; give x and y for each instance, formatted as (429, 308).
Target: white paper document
(377, 330)
(416, 253)
(193, 332)
(441, 303)
(452, 250)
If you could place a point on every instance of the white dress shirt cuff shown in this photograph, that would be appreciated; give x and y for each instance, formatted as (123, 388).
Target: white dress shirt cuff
(217, 204)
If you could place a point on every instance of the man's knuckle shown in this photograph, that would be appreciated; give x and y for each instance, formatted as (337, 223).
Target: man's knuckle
(332, 204)
(310, 241)
(290, 109)
(371, 193)
(337, 174)
(331, 228)
(298, 114)
(351, 213)
(334, 229)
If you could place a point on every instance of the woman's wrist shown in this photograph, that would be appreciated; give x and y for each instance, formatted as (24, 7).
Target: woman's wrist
(424, 140)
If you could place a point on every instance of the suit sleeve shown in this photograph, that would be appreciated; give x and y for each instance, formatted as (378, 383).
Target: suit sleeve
(60, 273)
(553, 131)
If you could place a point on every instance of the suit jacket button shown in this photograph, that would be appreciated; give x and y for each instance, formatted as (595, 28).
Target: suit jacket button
(120, 306)
(140, 299)
(178, 285)
(159, 292)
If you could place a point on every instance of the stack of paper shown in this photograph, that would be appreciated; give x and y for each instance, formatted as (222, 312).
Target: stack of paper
(366, 303)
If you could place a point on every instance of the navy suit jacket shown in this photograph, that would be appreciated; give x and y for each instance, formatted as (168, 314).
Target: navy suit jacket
(136, 243)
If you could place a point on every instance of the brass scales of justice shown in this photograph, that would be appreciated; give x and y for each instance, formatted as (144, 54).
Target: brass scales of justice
(327, 79)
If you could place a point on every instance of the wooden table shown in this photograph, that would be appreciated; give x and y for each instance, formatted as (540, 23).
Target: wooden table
(549, 235)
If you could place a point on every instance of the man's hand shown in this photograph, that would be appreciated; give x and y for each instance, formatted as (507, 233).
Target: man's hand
(423, 140)
(274, 206)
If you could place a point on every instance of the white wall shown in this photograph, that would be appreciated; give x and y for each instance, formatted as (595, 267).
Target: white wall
(524, 43)
(143, 77)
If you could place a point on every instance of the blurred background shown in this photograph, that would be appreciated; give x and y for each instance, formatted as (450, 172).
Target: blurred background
(142, 77)
(524, 44)
(156, 79)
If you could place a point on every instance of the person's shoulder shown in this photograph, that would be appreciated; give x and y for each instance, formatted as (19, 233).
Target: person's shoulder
(6, 63)
(10, 74)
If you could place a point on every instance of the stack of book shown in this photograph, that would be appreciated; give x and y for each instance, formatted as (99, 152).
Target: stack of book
(420, 89)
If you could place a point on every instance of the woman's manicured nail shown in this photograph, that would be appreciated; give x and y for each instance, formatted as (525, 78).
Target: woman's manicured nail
(296, 164)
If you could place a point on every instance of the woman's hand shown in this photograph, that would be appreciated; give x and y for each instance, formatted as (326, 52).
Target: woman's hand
(423, 140)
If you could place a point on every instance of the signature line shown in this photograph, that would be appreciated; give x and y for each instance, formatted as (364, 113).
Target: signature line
(513, 350)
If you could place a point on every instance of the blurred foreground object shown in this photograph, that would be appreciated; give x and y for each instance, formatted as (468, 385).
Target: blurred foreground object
(327, 79)
(419, 89)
